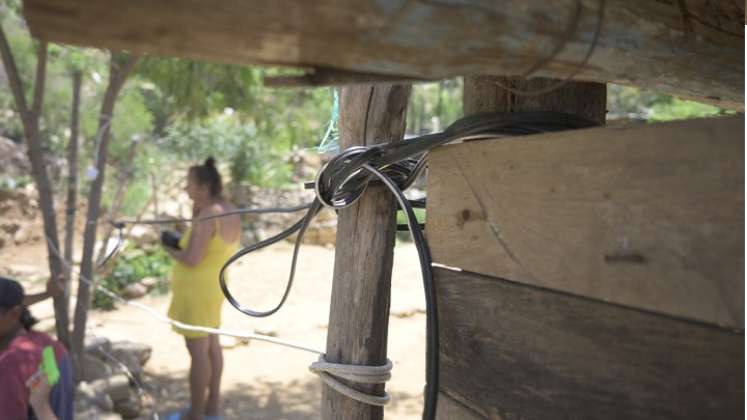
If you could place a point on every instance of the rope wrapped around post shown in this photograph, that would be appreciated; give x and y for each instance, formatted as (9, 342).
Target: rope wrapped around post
(330, 373)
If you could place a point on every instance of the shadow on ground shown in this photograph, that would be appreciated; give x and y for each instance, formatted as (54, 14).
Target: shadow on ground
(261, 400)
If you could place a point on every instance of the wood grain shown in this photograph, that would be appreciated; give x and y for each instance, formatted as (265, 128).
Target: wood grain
(486, 94)
(694, 51)
(648, 216)
(511, 351)
(359, 308)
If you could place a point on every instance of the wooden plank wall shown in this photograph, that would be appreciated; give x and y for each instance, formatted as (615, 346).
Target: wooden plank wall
(514, 351)
(602, 273)
(649, 216)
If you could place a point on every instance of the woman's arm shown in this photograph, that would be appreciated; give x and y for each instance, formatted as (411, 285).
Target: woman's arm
(198, 240)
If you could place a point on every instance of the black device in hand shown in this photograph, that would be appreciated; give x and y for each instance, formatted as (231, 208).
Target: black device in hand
(171, 239)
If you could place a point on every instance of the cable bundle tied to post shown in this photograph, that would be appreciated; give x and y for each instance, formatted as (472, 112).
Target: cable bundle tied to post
(342, 181)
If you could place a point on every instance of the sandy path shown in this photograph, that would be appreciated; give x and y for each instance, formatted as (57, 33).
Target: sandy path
(264, 381)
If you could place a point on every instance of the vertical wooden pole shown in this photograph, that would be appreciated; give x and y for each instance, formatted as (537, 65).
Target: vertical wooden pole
(485, 94)
(359, 309)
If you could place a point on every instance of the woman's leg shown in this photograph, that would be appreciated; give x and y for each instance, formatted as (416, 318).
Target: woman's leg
(199, 375)
(216, 361)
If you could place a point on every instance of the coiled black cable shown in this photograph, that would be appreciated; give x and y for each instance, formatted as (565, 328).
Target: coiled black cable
(396, 165)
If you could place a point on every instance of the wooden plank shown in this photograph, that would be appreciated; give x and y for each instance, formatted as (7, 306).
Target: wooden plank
(648, 216)
(361, 288)
(451, 409)
(694, 51)
(512, 351)
(485, 94)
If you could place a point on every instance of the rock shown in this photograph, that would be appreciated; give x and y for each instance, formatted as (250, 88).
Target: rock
(94, 368)
(92, 412)
(22, 236)
(144, 236)
(149, 282)
(130, 407)
(128, 364)
(117, 387)
(13, 159)
(10, 227)
(87, 395)
(23, 271)
(268, 330)
(134, 291)
(97, 346)
(326, 215)
(141, 351)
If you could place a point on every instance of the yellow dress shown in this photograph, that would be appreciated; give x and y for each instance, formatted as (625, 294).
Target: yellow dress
(196, 295)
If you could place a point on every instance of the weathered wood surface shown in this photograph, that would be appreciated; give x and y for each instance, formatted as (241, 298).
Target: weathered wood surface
(485, 94)
(359, 309)
(450, 409)
(512, 351)
(691, 48)
(648, 216)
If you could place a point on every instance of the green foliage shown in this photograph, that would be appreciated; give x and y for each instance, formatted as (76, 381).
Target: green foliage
(434, 106)
(131, 267)
(419, 214)
(631, 102)
(678, 109)
(250, 159)
(8, 182)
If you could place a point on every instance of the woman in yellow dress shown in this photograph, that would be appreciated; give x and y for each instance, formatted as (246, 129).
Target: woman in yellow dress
(197, 298)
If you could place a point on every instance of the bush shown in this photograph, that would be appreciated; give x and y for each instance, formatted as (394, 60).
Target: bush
(405, 236)
(131, 268)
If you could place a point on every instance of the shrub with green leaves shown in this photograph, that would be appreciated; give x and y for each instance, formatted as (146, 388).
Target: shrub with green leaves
(131, 267)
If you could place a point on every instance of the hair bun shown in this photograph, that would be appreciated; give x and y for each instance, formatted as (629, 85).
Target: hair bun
(210, 162)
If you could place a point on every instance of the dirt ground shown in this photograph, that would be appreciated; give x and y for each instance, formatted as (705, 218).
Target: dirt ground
(262, 380)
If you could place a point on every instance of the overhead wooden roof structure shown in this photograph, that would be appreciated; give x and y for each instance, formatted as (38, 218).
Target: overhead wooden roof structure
(590, 274)
(687, 48)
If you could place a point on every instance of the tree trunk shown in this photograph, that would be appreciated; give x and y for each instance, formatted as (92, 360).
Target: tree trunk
(123, 182)
(119, 69)
(72, 190)
(35, 151)
(691, 48)
(359, 310)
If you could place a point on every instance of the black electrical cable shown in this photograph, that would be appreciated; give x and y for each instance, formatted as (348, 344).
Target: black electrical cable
(120, 224)
(395, 165)
(344, 179)
(431, 308)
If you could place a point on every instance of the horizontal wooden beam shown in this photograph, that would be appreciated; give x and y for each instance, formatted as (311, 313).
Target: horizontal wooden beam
(695, 51)
(647, 216)
(511, 351)
(330, 77)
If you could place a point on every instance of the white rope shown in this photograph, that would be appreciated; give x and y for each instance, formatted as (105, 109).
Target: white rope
(189, 327)
(330, 372)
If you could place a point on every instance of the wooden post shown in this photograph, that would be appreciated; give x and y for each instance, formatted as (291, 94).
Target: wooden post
(359, 310)
(486, 94)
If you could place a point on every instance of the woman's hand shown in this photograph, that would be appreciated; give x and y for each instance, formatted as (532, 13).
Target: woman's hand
(200, 235)
(39, 396)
